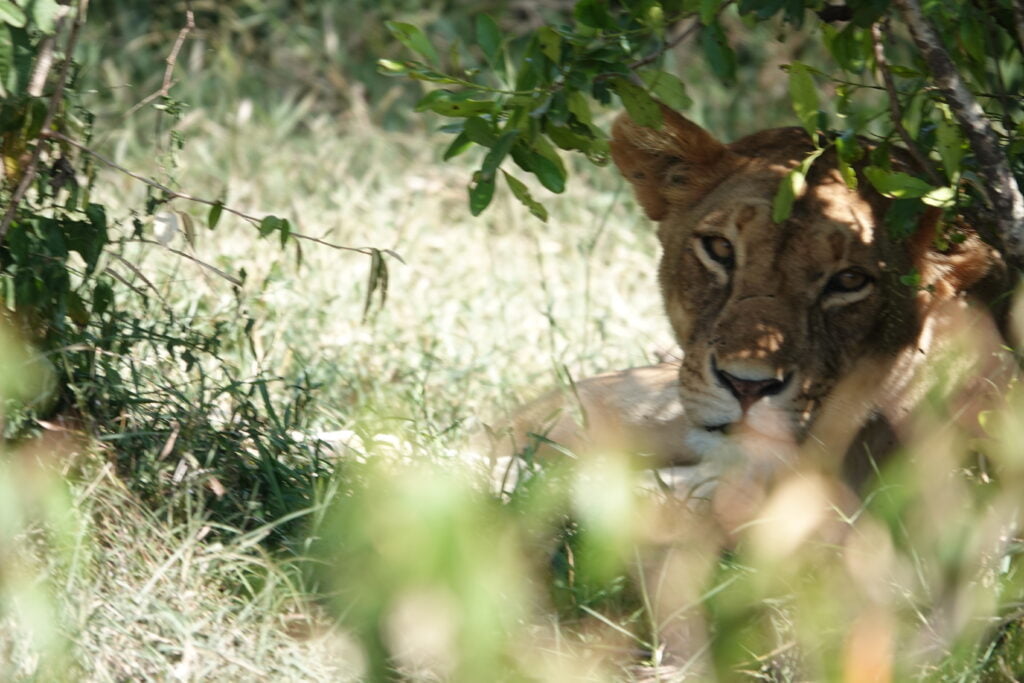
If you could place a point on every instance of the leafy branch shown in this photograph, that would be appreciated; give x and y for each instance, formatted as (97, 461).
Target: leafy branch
(549, 78)
(1003, 191)
(28, 174)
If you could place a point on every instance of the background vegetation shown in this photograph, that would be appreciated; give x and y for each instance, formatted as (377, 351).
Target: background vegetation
(227, 456)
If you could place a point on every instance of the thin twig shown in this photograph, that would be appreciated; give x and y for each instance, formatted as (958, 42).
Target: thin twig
(894, 108)
(170, 61)
(174, 194)
(683, 35)
(124, 281)
(29, 173)
(139, 274)
(1003, 191)
(227, 276)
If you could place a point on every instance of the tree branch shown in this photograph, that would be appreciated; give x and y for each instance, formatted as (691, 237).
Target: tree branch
(171, 61)
(41, 69)
(174, 194)
(1004, 193)
(894, 108)
(668, 45)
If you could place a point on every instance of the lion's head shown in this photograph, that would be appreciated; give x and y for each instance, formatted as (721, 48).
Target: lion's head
(773, 317)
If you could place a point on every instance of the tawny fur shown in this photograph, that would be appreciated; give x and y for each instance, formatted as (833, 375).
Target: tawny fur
(854, 361)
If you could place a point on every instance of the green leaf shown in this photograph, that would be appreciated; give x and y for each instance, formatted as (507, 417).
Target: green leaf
(804, 96)
(911, 279)
(654, 18)
(549, 172)
(44, 15)
(905, 71)
(950, 145)
(431, 76)
(972, 37)
(941, 197)
(77, 311)
(481, 191)
(848, 173)
(459, 104)
(188, 228)
(719, 54)
(790, 188)
(522, 193)
(550, 43)
(413, 38)
(390, 67)
(459, 145)
(214, 216)
(666, 87)
(378, 281)
(102, 297)
(593, 13)
(6, 58)
(479, 131)
(488, 37)
(12, 15)
(708, 11)
(568, 139)
(896, 184)
(850, 47)
(497, 154)
(556, 183)
(848, 150)
(579, 107)
(902, 217)
(286, 231)
(638, 103)
(269, 224)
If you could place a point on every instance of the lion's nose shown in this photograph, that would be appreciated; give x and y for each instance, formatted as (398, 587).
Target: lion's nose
(749, 391)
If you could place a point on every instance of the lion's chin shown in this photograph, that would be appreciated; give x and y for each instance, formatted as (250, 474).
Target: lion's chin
(744, 441)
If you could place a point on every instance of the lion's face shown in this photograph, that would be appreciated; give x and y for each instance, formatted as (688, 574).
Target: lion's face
(772, 316)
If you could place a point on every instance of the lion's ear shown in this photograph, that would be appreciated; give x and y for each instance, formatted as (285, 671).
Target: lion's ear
(959, 267)
(677, 161)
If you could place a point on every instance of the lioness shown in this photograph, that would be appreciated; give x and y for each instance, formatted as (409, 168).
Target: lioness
(795, 335)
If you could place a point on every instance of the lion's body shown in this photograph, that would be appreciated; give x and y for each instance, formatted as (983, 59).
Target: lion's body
(805, 352)
(796, 334)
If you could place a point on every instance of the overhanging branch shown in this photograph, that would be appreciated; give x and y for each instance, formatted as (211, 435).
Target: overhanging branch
(1003, 191)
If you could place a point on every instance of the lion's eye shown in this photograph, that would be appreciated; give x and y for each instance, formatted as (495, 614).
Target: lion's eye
(849, 280)
(719, 249)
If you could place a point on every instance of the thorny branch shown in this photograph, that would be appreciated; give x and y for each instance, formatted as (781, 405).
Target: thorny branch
(29, 173)
(894, 107)
(1003, 191)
